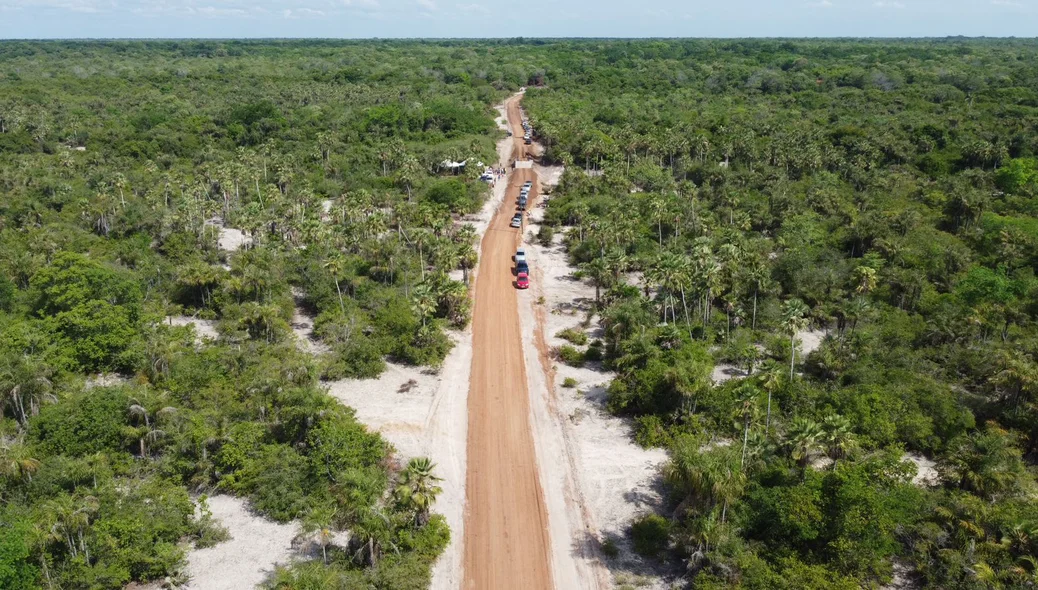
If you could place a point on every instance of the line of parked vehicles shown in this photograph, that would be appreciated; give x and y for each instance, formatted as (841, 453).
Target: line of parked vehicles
(522, 268)
(528, 129)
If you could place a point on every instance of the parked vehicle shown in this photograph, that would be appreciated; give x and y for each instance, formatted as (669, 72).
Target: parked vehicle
(520, 255)
(522, 281)
(517, 220)
(522, 267)
(527, 141)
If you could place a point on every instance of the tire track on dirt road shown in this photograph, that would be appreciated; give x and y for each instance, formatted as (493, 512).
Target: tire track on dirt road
(506, 521)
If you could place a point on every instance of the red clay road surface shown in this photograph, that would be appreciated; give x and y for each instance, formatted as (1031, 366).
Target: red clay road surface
(506, 521)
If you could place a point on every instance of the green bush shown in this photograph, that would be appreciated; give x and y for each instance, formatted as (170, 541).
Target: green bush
(595, 351)
(650, 535)
(570, 355)
(93, 309)
(650, 432)
(545, 235)
(84, 423)
(569, 382)
(359, 358)
(573, 336)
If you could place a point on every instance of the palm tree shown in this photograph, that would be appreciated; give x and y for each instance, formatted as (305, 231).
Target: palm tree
(416, 488)
(25, 385)
(408, 173)
(746, 408)
(803, 438)
(794, 320)
(149, 432)
(771, 380)
(336, 265)
(599, 273)
(838, 436)
(1017, 375)
(986, 463)
(71, 520)
(317, 525)
(423, 301)
(658, 212)
(371, 533)
(866, 279)
(16, 464)
(760, 277)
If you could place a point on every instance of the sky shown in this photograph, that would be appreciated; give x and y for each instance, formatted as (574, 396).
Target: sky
(537, 18)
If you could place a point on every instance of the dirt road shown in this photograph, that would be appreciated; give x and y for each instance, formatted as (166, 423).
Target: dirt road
(506, 521)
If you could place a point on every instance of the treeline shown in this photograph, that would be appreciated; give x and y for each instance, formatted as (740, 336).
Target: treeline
(726, 197)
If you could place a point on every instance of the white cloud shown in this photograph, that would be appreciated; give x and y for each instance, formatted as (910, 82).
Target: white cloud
(1010, 3)
(474, 8)
(429, 5)
(888, 4)
(214, 11)
(302, 13)
(821, 4)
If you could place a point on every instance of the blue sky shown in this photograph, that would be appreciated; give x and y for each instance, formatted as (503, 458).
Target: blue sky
(488, 18)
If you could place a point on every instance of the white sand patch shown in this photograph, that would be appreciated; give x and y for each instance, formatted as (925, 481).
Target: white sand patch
(204, 329)
(724, 371)
(303, 329)
(820, 462)
(396, 404)
(927, 470)
(104, 380)
(228, 239)
(596, 479)
(810, 340)
(549, 176)
(502, 117)
(902, 578)
(255, 547)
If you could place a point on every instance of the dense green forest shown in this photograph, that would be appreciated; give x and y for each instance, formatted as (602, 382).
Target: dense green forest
(884, 192)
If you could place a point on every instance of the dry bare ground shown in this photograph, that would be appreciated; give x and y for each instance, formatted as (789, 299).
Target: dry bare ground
(256, 546)
(204, 329)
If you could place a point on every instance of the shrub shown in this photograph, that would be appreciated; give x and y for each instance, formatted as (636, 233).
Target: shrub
(610, 549)
(209, 532)
(569, 382)
(359, 358)
(574, 336)
(85, 423)
(545, 235)
(650, 535)
(569, 355)
(595, 351)
(650, 432)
